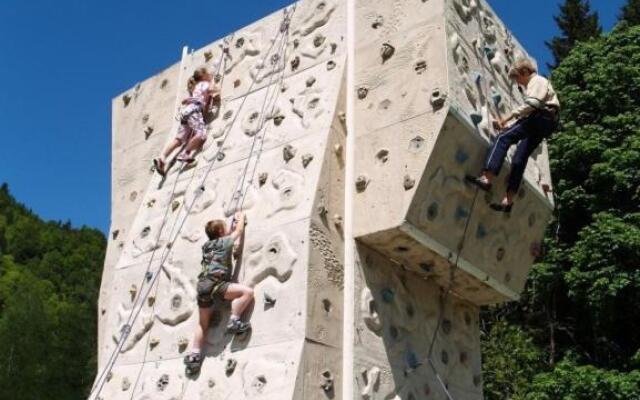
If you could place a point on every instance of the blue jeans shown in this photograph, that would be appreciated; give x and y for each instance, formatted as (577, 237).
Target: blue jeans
(528, 133)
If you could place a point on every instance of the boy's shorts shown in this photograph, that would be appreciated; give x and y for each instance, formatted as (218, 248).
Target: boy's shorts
(193, 124)
(210, 289)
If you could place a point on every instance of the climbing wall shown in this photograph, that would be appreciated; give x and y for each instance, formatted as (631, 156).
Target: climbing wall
(429, 76)
(274, 149)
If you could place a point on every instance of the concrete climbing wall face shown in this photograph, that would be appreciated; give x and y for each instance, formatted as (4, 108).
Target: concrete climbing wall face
(429, 76)
(397, 314)
(274, 151)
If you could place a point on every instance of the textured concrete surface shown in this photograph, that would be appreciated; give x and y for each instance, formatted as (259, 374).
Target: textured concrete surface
(428, 75)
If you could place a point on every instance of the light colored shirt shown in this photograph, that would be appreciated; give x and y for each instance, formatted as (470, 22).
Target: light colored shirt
(200, 93)
(539, 94)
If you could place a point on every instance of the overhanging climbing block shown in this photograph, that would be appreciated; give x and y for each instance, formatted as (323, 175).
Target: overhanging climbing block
(423, 117)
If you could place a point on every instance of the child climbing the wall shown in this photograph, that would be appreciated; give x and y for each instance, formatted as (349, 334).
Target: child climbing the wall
(536, 120)
(192, 131)
(214, 284)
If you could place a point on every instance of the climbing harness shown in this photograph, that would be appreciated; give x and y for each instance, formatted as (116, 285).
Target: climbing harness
(139, 303)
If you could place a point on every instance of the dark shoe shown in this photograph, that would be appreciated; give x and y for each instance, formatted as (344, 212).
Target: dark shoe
(193, 362)
(505, 208)
(236, 326)
(185, 158)
(474, 180)
(159, 166)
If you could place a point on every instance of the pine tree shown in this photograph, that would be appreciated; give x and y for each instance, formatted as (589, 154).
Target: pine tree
(631, 12)
(577, 23)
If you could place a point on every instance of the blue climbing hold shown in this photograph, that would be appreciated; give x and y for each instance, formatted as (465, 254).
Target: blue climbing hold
(461, 213)
(497, 99)
(461, 156)
(481, 232)
(412, 360)
(476, 118)
(387, 295)
(491, 53)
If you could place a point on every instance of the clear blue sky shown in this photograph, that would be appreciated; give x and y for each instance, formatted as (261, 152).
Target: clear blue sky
(62, 61)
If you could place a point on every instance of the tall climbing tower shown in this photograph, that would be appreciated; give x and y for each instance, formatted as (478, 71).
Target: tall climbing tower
(428, 76)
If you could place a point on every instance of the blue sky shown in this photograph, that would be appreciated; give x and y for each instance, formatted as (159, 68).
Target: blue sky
(61, 63)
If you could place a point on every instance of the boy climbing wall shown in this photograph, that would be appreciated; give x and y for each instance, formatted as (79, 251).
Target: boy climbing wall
(214, 283)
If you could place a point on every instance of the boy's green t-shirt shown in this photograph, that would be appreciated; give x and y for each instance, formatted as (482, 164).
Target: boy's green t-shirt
(216, 255)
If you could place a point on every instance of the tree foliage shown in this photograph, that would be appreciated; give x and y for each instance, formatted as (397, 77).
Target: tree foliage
(580, 306)
(630, 13)
(49, 278)
(577, 23)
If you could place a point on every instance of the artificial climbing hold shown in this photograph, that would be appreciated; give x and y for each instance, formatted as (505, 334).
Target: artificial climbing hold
(133, 290)
(382, 156)
(420, 67)
(306, 159)
(438, 99)
(377, 23)
(230, 366)
(361, 183)
(182, 344)
(327, 381)
(163, 382)
(310, 81)
(262, 178)
(386, 52)
(446, 326)
(387, 295)
(362, 92)
(147, 132)
(295, 63)
(126, 384)
(288, 152)
(409, 182)
(269, 300)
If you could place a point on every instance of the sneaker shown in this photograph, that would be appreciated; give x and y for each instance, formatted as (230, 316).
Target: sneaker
(186, 158)
(159, 166)
(193, 362)
(505, 208)
(479, 182)
(236, 326)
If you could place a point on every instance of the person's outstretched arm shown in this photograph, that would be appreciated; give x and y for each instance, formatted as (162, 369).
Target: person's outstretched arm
(239, 228)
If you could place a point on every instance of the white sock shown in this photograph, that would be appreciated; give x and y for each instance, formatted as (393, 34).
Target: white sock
(235, 318)
(196, 351)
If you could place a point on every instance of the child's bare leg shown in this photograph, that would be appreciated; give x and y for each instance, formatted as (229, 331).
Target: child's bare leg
(171, 147)
(195, 144)
(201, 330)
(241, 296)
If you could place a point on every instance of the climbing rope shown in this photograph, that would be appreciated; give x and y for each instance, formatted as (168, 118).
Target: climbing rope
(445, 297)
(126, 329)
(98, 386)
(240, 193)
